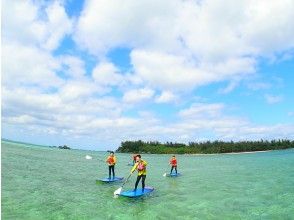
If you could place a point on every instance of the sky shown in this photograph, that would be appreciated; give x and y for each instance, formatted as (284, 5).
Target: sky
(93, 73)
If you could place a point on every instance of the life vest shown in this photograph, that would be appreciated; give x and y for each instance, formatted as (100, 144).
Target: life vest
(173, 162)
(141, 166)
(110, 160)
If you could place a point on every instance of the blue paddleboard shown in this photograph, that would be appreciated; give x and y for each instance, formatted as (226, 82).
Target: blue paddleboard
(138, 193)
(173, 174)
(107, 180)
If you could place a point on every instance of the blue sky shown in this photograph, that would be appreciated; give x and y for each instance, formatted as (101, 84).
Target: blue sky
(91, 74)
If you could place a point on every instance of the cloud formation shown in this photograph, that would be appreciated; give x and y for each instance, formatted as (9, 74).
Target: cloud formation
(176, 47)
(197, 40)
(272, 99)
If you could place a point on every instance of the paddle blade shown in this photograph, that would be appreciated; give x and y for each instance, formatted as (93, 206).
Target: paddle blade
(88, 157)
(117, 192)
(164, 175)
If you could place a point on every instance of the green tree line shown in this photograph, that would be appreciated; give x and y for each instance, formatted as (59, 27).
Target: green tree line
(208, 147)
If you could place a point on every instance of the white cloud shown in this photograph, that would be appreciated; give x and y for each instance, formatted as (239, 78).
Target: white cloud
(102, 118)
(201, 110)
(176, 46)
(58, 25)
(178, 73)
(105, 73)
(80, 89)
(230, 87)
(269, 27)
(209, 120)
(20, 17)
(32, 24)
(30, 32)
(138, 95)
(66, 110)
(247, 28)
(166, 71)
(185, 44)
(273, 99)
(166, 97)
(105, 24)
(52, 114)
(28, 65)
(73, 67)
(22, 119)
(257, 132)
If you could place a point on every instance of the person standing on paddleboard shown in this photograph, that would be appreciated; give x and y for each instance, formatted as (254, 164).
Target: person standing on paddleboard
(140, 166)
(174, 163)
(111, 161)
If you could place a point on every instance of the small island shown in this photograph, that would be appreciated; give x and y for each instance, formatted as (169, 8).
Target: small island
(61, 147)
(207, 147)
(64, 147)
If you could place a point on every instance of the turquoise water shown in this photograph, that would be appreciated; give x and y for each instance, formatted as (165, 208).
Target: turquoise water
(45, 183)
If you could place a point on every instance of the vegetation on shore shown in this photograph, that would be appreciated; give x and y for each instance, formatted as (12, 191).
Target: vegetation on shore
(207, 147)
(62, 147)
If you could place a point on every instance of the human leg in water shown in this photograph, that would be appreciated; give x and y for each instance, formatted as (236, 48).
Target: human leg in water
(176, 169)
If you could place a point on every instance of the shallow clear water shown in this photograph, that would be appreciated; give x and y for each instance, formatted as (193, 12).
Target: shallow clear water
(45, 183)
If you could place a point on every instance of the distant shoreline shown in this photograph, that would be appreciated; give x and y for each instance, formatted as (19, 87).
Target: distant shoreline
(245, 152)
(203, 148)
(156, 153)
(250, 152)
(22, 143)
(232, 153)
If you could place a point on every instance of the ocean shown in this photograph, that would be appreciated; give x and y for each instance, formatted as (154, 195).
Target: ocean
(50, 183)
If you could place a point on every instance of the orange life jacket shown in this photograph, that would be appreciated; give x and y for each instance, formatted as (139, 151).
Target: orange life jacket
(110, 160)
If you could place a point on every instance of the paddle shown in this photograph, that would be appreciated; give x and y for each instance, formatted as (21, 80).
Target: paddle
(165, 172)
(88, 157)
(118, 191)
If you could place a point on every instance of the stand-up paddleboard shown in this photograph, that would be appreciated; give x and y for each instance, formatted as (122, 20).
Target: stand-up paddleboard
(173, 174)
(111, 180)
(137, 193)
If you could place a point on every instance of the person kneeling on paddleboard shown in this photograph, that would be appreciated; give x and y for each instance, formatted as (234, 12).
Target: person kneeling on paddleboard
(111, 160)
(140, 165)
(173, 162)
